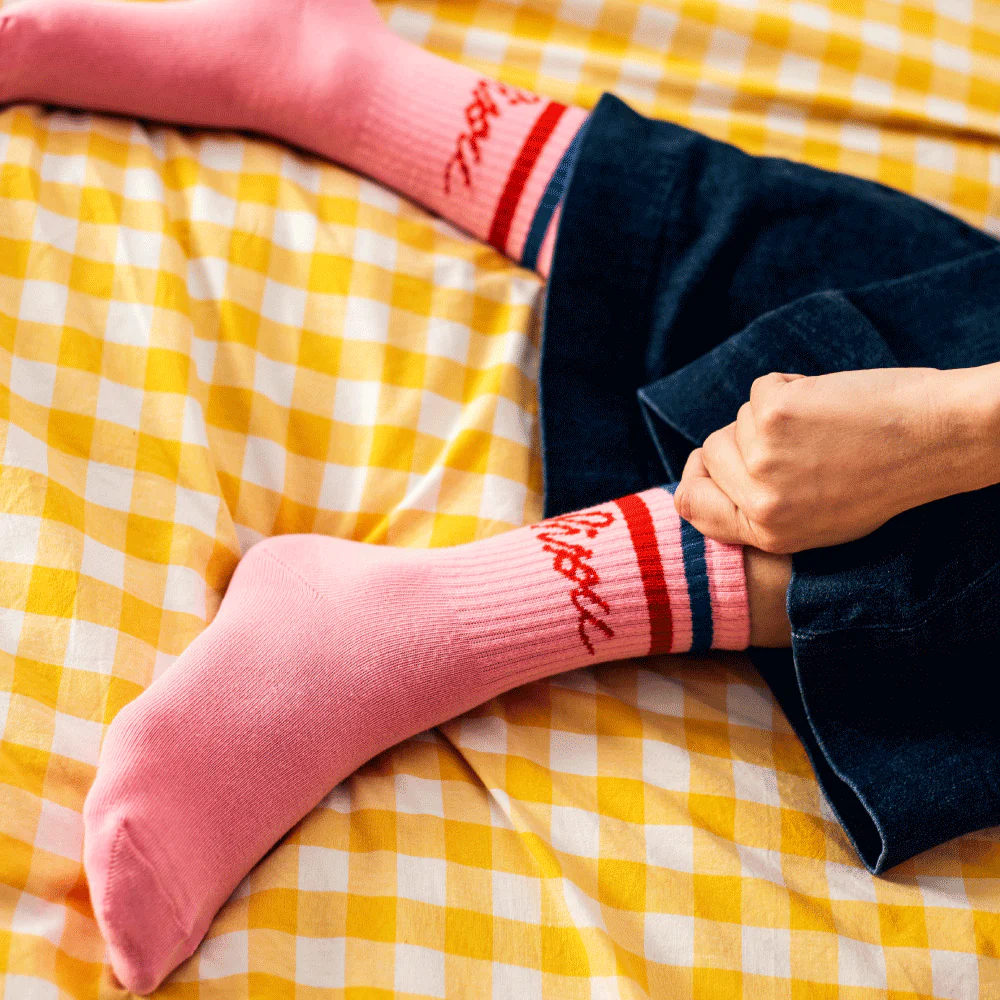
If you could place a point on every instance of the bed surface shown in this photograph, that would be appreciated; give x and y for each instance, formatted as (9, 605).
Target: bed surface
(206, 340)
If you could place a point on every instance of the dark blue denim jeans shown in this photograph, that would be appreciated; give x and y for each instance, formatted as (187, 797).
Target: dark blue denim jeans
(683, 270)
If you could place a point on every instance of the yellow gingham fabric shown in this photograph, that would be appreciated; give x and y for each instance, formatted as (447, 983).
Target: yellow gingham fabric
(205, 340)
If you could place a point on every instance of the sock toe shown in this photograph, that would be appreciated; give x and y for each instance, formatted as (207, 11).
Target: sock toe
(139, 919)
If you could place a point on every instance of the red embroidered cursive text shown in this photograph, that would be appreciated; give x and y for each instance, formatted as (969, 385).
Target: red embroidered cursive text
(478, 113)
(570, 559)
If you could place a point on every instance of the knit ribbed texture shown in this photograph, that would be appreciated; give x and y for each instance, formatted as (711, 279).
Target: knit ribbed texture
(326, 75)
(325, 653)
(458, 142)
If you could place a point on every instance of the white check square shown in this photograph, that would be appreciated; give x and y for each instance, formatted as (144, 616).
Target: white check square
(666, 766)
(138, 248)
(576, 831)
(424, 880)
(208, 205)
(366, 319)
(54, 230)
(503, 499)
(43, 302)
(60, 831)
(143, 184)
(320, 962)
(294, 230)
(517, 897)
(343, 487)
(447, 339)
(419, 970)
(573, 753)
(221, 154)
(654, 27)
(129, 323)
(670, 846)
(64, 169)
(669, 939)
(420, 796)
(264, 463)
(24, 451)
(439, 417)
(119, 404)
(224, 955)
(323, 869)
(860, 964)
(196, 509)
(374, 248)
(356, 402)
(767, 951)
(19, 534)
(206, 281)
(274, 379)
(109, 485)
(284, 304)
(38, 917)
(185, 591)
(77, 738)
(91, 647)
(103, 562)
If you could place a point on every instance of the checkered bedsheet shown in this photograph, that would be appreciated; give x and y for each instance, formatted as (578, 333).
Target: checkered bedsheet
(205, 340)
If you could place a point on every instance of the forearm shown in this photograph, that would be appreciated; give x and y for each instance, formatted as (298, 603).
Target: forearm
(964, 454)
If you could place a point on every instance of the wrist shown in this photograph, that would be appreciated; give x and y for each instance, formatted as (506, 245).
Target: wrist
(973, 423)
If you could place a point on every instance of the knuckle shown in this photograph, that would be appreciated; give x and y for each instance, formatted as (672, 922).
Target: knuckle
(759, 463)
(763, 383)
(773, 416)
(764, 509)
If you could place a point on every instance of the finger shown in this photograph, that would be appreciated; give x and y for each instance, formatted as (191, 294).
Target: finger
(711, 511)
(725, 464)
(746, 431)
(694, 468)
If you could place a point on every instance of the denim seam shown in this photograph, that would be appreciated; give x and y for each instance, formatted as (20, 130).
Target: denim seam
(874, 866)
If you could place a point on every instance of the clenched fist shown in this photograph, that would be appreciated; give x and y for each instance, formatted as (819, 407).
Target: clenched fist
(816, 461)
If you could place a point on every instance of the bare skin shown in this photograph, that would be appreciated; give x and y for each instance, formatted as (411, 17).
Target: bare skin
(768, 577)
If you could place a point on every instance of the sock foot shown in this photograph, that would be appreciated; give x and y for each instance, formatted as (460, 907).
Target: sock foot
(326, 652)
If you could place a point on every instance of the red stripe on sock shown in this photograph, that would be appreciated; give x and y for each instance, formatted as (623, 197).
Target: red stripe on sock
(518, 176)
(647, 551)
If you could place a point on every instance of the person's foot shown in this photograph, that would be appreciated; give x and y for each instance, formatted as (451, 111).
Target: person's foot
(326, 652)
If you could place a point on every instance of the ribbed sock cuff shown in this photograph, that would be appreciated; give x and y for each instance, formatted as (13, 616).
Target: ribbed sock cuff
(717, 588)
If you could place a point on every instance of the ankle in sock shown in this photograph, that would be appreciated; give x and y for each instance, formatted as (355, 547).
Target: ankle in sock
(326, 652)
(487, 151)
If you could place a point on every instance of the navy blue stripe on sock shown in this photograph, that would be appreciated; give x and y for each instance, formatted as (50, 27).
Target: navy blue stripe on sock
(550, 201)
(696, 572)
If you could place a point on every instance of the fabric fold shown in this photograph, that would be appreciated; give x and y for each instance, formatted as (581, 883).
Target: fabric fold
(817, 334)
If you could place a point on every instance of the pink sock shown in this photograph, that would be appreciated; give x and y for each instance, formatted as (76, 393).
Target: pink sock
(326, 652)
(326, 75)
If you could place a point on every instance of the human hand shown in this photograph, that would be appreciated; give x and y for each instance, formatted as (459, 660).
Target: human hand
(817, 461)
